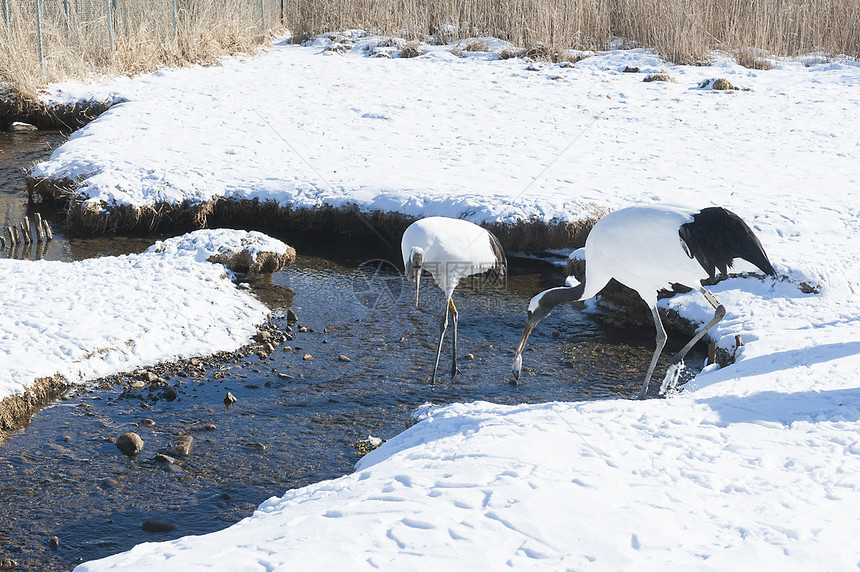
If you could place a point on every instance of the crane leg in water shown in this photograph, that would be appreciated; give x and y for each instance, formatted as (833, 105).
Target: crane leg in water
(455, 316)
(719, 314)
(443, 327)
(661, 341)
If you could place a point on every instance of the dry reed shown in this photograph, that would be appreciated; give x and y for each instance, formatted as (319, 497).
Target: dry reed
(145, 36)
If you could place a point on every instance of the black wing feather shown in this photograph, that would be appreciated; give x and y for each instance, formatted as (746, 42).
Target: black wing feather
(717, 236)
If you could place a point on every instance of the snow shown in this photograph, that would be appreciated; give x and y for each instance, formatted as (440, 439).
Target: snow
(751, 465)
(101, 316)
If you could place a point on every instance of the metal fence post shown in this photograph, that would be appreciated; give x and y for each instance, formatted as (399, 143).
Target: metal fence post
(175, 24)
(39, 26)
(263, 12)
(110, 28)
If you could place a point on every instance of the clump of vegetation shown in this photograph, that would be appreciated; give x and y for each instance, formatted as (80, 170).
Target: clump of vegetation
(659, 77)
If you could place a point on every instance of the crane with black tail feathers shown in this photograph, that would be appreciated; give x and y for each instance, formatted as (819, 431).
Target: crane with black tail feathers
(648, 248)
(450, 250)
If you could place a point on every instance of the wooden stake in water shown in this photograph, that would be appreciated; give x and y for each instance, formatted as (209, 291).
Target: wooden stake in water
(14, 231)
(40, 234)
(11, 235)
(25, 236)
(49, 236)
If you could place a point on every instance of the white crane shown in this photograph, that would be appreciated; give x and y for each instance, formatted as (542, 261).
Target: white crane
(648, 248)
(450, 250)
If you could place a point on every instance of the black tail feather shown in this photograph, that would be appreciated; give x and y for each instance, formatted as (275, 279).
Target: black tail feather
(717, 236)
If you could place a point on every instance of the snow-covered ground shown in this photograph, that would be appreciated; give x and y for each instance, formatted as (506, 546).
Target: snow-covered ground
(97, 317)
(753, 465)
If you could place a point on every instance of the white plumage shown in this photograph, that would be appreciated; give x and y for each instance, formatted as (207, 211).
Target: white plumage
(450, 250)
(648, 249)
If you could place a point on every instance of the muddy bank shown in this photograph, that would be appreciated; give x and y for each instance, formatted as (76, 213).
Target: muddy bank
(16, 410)
(268, 216)
(49, 117)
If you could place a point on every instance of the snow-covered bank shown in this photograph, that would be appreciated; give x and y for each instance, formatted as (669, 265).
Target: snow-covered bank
(96, 317)
(756, 464)
(617, 485)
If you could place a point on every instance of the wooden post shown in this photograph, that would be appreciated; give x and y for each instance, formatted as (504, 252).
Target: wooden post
(25, 238)
(49, 236)
(40, 234)
(2, 243)
(11, 236)
(14, 231)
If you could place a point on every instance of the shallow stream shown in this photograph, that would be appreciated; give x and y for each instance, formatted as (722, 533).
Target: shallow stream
(67, 494)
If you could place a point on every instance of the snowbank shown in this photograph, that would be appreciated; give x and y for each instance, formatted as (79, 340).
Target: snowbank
(96, 317)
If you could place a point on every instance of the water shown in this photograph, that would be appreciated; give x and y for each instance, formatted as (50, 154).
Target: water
(296, 420)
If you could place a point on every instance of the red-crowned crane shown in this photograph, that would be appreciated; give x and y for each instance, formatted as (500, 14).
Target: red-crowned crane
(449, 249)
(647, 248)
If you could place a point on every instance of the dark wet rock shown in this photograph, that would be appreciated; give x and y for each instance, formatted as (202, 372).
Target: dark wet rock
(182, 446)
(130, 444)
(229, 399)
(209, 427)
(630, 69)
(157, 526)
(256, 446)
(109, 483)
(170, 394)
(469, 356)
(146, 422)
(291, 316)
(8, 564)
(162, 458)
(54, 541)
(342, 357)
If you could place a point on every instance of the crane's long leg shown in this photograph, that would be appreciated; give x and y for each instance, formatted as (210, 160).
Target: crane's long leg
(719, 314)
(442, 328)
(455, 317)
(661, 341)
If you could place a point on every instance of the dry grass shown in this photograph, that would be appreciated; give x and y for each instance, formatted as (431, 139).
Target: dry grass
(144, 37)
(681, 31)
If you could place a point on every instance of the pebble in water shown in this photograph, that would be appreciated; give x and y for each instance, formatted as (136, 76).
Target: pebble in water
(130, 444)
(182, 446)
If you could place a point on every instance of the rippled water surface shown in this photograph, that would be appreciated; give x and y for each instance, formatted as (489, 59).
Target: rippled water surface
(296, 419)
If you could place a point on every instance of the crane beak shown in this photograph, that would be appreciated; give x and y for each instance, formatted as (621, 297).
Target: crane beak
(518, 356)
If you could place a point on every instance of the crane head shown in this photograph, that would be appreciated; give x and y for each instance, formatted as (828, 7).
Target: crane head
(536, 312)
(413, 268)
